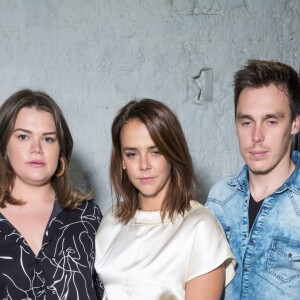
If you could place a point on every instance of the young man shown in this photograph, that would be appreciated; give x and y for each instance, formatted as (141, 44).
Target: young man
(260, 207)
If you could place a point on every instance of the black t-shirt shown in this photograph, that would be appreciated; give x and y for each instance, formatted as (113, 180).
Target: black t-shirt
(254, 208)
(64, 267)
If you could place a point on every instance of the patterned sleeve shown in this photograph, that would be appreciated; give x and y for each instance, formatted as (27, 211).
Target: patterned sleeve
(210, 248)
(97, 283)
(98, 286)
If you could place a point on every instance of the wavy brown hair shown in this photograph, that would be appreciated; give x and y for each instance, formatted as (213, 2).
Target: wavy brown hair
(259, 73)
(67, 195)
(167, 135)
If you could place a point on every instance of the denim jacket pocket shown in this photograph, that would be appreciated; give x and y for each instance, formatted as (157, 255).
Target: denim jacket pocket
(284, 259)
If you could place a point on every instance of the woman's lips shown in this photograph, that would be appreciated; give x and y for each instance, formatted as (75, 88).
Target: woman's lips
(36, 163)
(146, 179)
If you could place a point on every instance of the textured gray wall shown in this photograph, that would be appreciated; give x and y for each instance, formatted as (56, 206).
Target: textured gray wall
(92, 56)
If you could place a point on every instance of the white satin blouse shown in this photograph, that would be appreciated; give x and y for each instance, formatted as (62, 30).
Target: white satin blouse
(150, 260)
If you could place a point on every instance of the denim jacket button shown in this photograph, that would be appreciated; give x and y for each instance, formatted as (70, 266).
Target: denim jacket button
(244, 235)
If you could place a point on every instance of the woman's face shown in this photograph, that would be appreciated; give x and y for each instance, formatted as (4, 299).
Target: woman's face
(33, 148)
(146, 167)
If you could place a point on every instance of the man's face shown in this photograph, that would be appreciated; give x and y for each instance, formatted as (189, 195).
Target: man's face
(264, 128)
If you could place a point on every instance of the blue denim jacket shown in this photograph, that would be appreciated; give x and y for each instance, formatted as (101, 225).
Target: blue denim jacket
(268, 258)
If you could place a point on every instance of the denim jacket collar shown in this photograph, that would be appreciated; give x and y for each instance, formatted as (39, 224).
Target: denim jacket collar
(292, 183)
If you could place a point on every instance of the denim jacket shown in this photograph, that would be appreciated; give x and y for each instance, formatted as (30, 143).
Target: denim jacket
(268, 257)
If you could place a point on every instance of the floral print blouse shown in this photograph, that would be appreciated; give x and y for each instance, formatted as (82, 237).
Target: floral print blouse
(64, 267)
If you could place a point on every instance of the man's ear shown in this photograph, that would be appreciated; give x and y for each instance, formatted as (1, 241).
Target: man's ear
(296, 125)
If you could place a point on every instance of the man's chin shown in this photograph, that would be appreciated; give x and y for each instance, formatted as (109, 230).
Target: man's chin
(260, 172)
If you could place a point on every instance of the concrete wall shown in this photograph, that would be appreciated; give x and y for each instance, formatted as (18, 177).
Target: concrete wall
(92, 56)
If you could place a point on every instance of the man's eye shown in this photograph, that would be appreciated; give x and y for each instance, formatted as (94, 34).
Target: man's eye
(247, 123)
(272, 122)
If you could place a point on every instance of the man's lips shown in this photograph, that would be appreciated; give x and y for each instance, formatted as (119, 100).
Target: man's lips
(258, 153)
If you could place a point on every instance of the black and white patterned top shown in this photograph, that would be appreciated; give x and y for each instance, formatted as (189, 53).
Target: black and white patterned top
(64, 267)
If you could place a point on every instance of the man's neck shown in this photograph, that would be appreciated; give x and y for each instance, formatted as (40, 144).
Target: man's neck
(263, 185)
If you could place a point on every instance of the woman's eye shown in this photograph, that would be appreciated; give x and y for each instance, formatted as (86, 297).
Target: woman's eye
(22, 137)
(131, 154)
(49, 139)
(156, 152)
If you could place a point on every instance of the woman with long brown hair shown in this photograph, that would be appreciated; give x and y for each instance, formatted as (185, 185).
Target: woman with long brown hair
(47, 227)
(156, 242)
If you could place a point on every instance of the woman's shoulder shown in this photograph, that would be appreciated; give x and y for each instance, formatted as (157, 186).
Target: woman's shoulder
(86, 211)
(199, 210)
(109, 227)
(201, 217)
(90, 206)
(109, 215)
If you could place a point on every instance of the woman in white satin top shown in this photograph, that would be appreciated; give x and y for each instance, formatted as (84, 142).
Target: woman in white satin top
(157, 243)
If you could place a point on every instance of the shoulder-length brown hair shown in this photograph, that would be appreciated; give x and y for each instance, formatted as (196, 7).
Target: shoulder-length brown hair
(167, 135)
(67, 195)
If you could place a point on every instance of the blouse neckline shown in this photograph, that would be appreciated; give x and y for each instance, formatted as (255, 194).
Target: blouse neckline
(154, 217)
(148, 217)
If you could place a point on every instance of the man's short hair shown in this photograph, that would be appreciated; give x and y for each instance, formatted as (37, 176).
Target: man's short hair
(259, 73)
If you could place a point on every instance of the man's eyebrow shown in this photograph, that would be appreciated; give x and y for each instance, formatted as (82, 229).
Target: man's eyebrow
(277, 115)
(244, 116)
